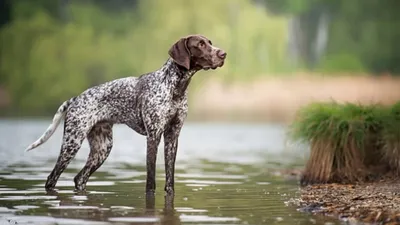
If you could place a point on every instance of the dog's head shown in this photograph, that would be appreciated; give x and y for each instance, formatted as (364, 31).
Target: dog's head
(197, 52)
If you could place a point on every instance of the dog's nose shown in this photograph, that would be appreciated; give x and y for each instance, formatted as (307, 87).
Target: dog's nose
(221, 53)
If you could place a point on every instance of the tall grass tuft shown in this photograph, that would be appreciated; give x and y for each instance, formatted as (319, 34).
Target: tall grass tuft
(391, 138)
(348, 141)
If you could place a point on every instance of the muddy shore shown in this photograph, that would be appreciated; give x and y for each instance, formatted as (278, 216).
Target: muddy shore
(375, 202)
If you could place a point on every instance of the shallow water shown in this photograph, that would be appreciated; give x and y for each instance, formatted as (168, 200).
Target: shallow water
(221, 178)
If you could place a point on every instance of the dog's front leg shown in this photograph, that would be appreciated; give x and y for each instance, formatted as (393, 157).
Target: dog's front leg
(171, 136)
(152, 146)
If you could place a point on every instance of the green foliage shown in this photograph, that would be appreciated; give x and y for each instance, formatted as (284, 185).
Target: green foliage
(27, 9)
(334, 121)
(294, 7)
(65, 59)
(366, 30)
(347, 140)
(94, 46)
(391, 137)
(72, 47)
(336, 63)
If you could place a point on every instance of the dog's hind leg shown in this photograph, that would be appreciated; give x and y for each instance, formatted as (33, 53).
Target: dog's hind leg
(72, 141)
(100, 141)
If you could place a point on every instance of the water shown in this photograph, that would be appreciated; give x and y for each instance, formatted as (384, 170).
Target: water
(222, 177)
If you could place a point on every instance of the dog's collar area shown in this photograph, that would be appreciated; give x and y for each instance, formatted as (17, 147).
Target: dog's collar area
(180, 70)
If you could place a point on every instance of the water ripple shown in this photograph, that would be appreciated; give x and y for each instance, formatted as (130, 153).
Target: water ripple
(218, 180)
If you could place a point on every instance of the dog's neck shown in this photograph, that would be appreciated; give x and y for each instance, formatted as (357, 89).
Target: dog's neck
(177, 76)
(175, 70)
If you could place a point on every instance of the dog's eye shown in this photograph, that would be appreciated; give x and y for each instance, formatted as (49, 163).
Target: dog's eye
(202, 44)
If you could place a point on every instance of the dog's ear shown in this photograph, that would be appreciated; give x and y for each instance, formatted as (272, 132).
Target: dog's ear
(179, 52)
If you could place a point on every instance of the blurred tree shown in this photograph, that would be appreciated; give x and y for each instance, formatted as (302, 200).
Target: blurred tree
(5, 12)
(363, 30)
(5, 17)
(28, 8)
(116, 5)
(60, 8)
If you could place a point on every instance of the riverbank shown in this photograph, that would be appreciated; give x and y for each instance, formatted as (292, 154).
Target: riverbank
(354, 164)
(375, 202)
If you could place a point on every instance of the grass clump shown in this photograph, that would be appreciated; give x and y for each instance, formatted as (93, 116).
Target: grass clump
(349, 142)
(391, 138)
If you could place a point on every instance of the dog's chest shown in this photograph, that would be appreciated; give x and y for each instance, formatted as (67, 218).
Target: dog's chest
(174, 106)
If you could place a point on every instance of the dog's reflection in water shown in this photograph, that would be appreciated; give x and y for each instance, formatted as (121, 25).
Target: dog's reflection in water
(168, 215)
(93, 208)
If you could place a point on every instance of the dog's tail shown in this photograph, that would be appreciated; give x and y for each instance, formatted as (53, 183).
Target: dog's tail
(50, 130)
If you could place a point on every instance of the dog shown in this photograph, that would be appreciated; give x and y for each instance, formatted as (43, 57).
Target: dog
(154, 104)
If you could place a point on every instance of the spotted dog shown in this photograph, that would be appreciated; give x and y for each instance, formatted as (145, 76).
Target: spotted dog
(153, 104)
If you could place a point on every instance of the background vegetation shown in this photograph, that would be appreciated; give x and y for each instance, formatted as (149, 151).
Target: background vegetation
(70, 45)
